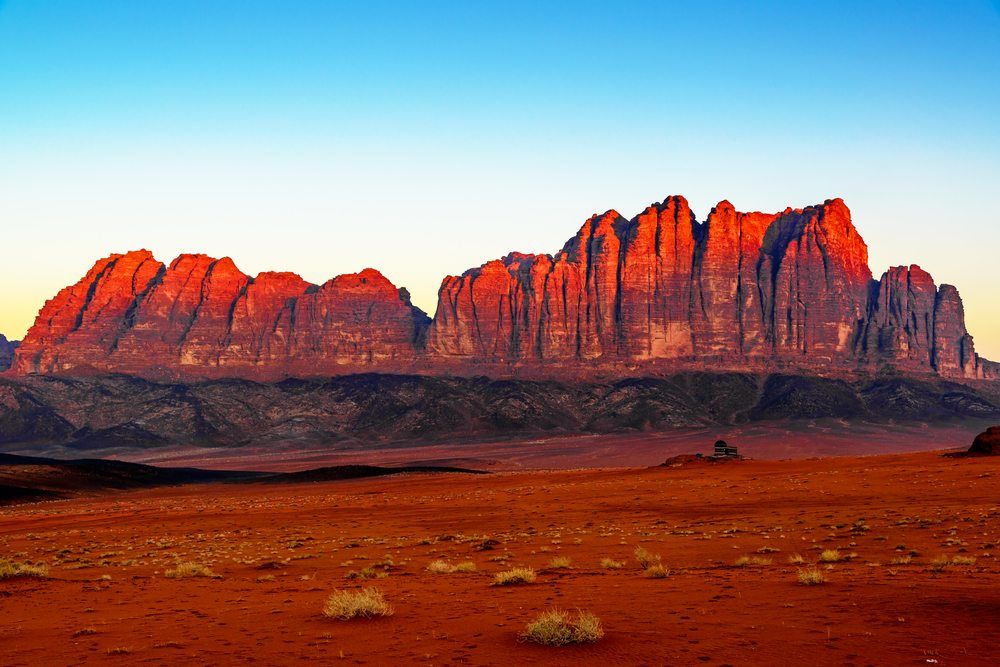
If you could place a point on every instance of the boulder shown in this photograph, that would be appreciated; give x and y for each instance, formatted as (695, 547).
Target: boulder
(987, 442)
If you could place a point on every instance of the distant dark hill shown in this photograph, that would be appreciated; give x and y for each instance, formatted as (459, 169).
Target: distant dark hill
(118, 414)
(31, 478)
(334, 473)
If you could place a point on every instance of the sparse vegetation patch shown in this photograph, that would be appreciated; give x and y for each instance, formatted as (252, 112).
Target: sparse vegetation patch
(560, 562)
(443, 567)
(811, 576)
(365, 603)
(744, 561)
(10, 570)
(645, 558)
(559, 628)
(190, 569)
(517, 575)
(657, 571)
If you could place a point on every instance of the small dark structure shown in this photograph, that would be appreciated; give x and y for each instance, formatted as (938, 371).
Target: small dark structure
(725, 451)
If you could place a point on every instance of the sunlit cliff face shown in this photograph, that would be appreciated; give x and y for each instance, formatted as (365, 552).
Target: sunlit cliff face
(738, 290)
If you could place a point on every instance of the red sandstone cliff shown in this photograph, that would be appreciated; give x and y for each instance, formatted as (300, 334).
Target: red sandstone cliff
(203, 316)
(741, 289)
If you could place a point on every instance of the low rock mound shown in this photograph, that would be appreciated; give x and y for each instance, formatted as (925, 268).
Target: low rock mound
(987, 443)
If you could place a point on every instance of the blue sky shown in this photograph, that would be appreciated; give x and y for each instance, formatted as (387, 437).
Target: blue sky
(425, 138)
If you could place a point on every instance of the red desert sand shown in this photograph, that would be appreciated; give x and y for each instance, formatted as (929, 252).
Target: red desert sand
(838, 561)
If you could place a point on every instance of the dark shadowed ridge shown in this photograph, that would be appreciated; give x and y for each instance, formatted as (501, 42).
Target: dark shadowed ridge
(114, 415)
(32, 478)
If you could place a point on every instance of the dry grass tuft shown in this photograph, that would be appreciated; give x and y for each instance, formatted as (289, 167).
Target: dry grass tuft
(559, 562)
(10, 570)
(612, 564)
(365, 603)
(657, 571)
(190, 569)
(796, 559)
(442, 567)
(366, 573)
(744, 561)
(439, 567)
(811, 576)
(645, 558)
(901, 560)
(517, 575)
(941, 562)
(558, 628)
(830, 556)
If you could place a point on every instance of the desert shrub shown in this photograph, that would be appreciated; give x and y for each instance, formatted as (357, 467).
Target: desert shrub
(811, 576)
(940, 562)
(612, 564)
(657, 571)
(645, 558)
(442, 567)
(830, 556)
(10, 570)
(190, 569)
(558, 628)
(559, 562)
(744, 561)
(370, 572)
(364, 603)
(517, 575)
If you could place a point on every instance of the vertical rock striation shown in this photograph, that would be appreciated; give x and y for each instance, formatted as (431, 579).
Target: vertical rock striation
(202, 316)
(789, 290)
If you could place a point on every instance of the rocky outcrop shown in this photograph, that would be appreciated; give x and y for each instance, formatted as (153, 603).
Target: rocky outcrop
(7, 349)
(787, 291)
(916, 325)
(987, 443)
(201, 316)
(739, 290)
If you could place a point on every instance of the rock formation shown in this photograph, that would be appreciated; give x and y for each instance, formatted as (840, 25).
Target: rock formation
(203, 316)
(741, 289)
(789, 291)
(7, 349)
(987, 442)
